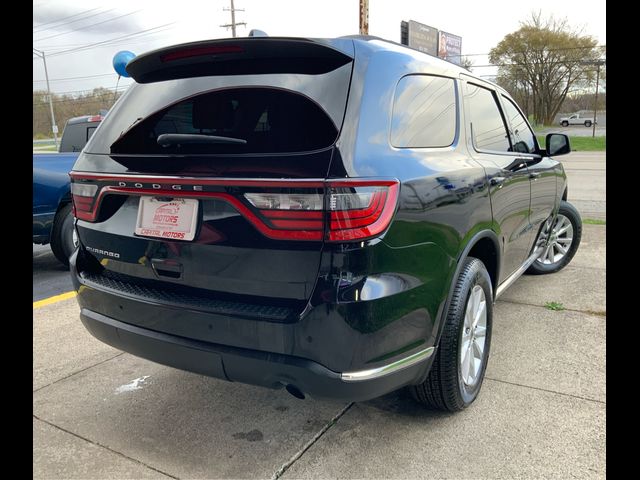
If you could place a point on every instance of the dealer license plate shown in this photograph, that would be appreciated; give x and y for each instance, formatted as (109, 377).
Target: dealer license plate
(174, 219)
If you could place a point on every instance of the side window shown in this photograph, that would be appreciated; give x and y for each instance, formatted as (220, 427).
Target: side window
(489, 131)
(523, 138)
(90, 131)
(424, 112)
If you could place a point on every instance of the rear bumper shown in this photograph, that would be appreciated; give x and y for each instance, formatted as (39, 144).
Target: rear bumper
(272, 370)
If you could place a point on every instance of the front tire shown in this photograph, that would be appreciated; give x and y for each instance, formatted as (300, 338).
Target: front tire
(461, 358)
(560, 237)
(565, 124)
(62, 235)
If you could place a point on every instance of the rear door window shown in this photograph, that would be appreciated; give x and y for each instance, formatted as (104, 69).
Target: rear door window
(489, 130)
(269, 120)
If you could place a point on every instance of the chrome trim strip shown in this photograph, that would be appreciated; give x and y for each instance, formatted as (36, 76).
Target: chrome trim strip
(516, 275)
(387, 369)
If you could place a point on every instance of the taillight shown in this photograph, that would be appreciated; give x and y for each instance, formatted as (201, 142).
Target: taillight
(354, 210)
(295, 216)
(83, 196)
(359, 210)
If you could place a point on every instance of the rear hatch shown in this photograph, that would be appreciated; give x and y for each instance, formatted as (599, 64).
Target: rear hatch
(204, 187)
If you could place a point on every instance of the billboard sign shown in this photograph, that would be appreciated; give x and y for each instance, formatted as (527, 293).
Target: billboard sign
(421, 37)
(450, 47)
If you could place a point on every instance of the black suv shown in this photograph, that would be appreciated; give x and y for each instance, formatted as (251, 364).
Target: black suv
(335, 216)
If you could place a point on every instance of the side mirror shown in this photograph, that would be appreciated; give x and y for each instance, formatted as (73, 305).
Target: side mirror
(557, 144)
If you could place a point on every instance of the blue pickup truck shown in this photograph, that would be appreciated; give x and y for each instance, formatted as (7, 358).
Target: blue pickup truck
(52, 216)
(52, 210)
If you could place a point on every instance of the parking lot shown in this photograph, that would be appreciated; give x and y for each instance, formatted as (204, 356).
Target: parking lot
(100, 413)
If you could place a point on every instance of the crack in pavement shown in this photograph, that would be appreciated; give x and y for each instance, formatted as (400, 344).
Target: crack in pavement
(78, 371)
(595, 313)
(104, 446)
(285, 466)
(546, 390)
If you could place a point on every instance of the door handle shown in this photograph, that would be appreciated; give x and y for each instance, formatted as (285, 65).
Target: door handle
(497, 181)
(534, 175)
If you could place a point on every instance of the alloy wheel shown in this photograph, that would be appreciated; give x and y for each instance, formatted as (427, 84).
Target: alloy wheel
(556, 240)
(473, 336)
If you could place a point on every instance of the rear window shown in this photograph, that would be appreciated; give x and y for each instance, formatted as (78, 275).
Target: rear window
(258, 108)
(269, 120)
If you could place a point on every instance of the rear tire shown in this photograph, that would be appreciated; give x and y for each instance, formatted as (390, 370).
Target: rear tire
(458, 368)
(566, 233)
(62, 243)
(587, 123)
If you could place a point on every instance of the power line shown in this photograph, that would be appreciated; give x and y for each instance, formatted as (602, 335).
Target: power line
(65, 18)
(527, 51)
(76, 78)
(91, 25)
(92, 45)
(88, 97)
(90, 90)
(565, 62)
(136, 41)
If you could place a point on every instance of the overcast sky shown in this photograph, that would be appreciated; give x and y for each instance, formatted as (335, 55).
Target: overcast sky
(158, 23)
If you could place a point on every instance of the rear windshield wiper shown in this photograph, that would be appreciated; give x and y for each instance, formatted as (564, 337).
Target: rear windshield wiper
(170, 139)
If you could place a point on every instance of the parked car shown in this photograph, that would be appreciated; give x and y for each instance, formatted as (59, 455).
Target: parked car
(52, 208)
(78, 131)
(332, 216)
(576, 119)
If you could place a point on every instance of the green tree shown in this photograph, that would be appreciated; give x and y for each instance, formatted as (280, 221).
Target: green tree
(542, 62)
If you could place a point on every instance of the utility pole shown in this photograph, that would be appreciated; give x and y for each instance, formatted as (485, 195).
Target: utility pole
(364, 17)
(598, 64)
(54, 127)
(595, 104)
(233, 23)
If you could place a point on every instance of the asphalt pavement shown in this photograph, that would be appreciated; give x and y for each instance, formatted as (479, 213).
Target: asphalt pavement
(50, 277)
(574, 130)
(101, 413)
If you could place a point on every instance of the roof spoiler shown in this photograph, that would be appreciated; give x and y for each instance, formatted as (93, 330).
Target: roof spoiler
(237, 56)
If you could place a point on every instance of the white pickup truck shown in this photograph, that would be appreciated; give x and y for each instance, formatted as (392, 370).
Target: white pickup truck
(576, 119)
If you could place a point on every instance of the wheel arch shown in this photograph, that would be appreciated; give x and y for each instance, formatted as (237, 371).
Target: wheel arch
(65, 198)
(485, 246)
